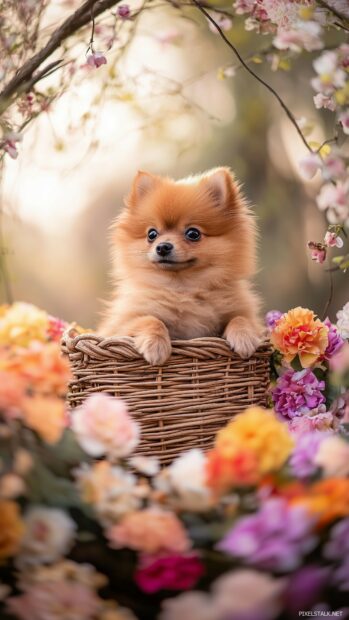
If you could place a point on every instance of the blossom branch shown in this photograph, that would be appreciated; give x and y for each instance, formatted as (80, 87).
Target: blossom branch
(255, 75)
(23, 78)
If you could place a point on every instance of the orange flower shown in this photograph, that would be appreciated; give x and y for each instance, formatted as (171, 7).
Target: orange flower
(46, 415)
(253, 444)
(327, 499)
(11, 529)
(237, 469)
(12, 392)
(42, 366)
(151, 531)
(300, 333)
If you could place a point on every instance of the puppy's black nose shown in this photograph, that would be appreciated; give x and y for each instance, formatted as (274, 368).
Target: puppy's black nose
(164, 249)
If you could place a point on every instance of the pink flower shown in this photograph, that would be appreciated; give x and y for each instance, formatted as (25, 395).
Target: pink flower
(123, 11)
(96, 59)
(310, 165)
(170, 572)
(55, 328)
(9, 144)
(223, 21)
(344, 121)
(317, 252)
(333, 240)
(306, 36)
(103, 426)
(61, 600)
(324, 101)
(334, 167)
(150, 530)
(339, 363)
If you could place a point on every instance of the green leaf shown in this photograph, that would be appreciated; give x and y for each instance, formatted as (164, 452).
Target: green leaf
(46, 488)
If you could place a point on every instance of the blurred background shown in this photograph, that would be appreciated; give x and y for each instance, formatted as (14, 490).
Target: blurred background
(172, 100)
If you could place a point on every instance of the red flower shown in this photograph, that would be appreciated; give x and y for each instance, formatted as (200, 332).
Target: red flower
(170, 572)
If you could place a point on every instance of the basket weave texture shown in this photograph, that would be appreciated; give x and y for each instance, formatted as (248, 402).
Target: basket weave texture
(180, 405)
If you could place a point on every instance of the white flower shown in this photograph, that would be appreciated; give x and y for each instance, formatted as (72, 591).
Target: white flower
(343, 321)
(324, 101)
(185, 478)
(223, 21)
(111, 490)
(147, 465)
(49, 535)
(245, 592)
(333, 457)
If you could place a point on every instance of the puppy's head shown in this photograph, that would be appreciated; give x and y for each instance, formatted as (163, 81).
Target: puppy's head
(192, 225)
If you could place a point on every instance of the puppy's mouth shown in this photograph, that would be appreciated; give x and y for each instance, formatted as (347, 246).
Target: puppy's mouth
(168, 263)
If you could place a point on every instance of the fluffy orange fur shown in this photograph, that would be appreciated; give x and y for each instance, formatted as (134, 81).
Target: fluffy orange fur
(203, 289)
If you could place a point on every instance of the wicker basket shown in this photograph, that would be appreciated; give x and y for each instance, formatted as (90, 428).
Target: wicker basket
(180, 405)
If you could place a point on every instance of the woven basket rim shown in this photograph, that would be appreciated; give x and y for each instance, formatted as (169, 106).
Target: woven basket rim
(90, 342)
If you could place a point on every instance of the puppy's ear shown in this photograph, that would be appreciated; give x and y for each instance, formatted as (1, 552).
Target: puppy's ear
(220, 186)
(143, 184)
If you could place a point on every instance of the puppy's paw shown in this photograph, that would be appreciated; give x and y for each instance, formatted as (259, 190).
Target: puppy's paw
(156, 349)
(242, 337)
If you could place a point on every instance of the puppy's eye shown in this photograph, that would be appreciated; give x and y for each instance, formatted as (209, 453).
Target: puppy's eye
(152, 234)
(192, 234)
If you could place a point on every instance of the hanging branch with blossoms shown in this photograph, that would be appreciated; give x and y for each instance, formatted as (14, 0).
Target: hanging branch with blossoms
(304, 26)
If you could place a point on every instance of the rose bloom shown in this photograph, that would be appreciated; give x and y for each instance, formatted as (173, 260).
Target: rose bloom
(169, 572)
(260, 432)
(103, 426)
(333, 457)
(11, 529)
(299, 332)
(193, 605)
(151, 531)
(343, 321)
(240, 468)
(46, 415)
(49, 534)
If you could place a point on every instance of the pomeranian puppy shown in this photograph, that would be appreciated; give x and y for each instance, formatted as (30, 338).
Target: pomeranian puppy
(183, 253)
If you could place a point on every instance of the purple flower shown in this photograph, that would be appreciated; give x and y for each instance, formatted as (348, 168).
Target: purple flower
(302, 458)
(305, 587)
(275, 538)
(123, 11)
(337, 549)
(338, 545)
(297, 393)
(341, 575)
(335, 341)
(271, 317)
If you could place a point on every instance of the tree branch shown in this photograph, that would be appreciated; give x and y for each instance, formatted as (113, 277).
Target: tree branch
(82, 16)
(255, 75)
(332, 10)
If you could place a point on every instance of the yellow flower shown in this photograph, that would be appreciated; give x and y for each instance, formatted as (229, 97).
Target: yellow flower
(299, 332)
(11, 529)
(259, 432)
(21, 323)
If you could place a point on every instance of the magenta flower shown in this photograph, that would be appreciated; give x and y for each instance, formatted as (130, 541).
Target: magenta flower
(303, 456)
(275, 538)
(335, 341)
(271, 318)
(170, 572)
(297, 393)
